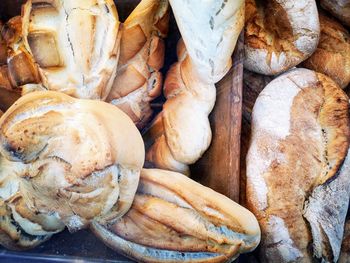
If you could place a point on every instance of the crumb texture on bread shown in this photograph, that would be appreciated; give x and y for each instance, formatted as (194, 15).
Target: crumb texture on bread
(297, 169)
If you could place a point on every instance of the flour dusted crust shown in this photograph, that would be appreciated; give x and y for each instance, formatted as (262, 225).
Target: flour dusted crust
(209, 32)
(297, 167)
(332, 56)
(179, 220)
(279, 34)
(79, 159)
(75, 45)
(142, 51)
(338, 8)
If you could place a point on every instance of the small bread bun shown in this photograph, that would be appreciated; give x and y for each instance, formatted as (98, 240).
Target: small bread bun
(332, 56)
(279, 34)
(338, 8)
(175, 219)
(78, 158)
(298, 167)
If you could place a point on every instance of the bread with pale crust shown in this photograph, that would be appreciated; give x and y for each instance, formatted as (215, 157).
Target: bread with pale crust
(181, 133)
(298, 167)
(332, 56)
(279, 34)
(179, 220)
(79, 159)
(142, 51)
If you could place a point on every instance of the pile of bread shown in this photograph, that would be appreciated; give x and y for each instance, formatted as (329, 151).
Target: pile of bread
(71, 152)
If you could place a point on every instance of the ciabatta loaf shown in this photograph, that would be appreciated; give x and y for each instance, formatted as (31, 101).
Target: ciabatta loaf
(181, 134)
(279, 34)
(298, 167)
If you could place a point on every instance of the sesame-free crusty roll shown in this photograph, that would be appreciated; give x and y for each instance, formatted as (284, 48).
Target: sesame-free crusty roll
(298, 167)
(179, 220)
(279, 34)
(79, 159)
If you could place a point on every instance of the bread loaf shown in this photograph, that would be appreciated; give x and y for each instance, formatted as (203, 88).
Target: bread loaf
(279, 34)
(339, 8)
(298, 167)
(142, 50)
(345, 248)
(332, 56)
(79, 159)
(74, 43)
(181, 134)
(179, 220)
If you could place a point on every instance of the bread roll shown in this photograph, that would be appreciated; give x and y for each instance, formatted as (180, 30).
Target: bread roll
(142, 51)
(298, 167)
(182, 132)
(279, 34)
(80, 159)
(179, 220)
(338, 8)
(332, 56)
(74, 43)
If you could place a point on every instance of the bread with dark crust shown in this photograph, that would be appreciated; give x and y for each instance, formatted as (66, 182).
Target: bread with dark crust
(298, 167)
(279, 34)
(338, 8)
(332, 56)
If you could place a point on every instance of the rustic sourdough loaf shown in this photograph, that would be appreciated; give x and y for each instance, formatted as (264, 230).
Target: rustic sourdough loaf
(279, 34)
(78, 159)
(298, 167)
(332, 56)
(179, 220)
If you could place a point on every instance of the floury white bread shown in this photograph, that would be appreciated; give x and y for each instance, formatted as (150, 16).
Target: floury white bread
(64, 162)
(279, 34)
(181, 133)
(298, 173)
(175, 219)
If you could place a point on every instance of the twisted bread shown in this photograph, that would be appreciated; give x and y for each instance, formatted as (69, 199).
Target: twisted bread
(181, 134)
(179, 220)
(279, 34)
(74, 158)
(142, 51)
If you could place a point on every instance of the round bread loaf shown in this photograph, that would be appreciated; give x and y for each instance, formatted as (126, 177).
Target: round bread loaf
(279, 34)
(298, 167)
(332, 56)
(78, 158)
(179, 220)
(339, 8)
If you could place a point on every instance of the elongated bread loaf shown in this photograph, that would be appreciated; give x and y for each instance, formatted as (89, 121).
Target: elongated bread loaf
(179, 220)
(181, 133)
(298, 167)
(279, 34)
(142, 50)
(332, 56)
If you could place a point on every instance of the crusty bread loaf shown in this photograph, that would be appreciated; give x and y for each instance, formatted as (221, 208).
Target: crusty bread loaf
(179, 220)
(80, 159)
(74, 43)
(298, 167)
(279, 34)
(345, 248)
(181, 134)
(332, 56)
(339, 8)
(142, 51)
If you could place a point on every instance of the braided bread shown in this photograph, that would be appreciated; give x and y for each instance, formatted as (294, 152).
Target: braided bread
(142, 51)
(181, 134)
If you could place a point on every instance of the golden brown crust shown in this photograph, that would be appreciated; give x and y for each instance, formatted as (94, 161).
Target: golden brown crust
(332, 56)
(309, 154)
